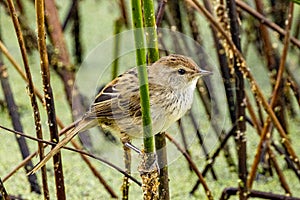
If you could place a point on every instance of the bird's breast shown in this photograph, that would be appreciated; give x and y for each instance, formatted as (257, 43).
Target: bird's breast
(170, 109)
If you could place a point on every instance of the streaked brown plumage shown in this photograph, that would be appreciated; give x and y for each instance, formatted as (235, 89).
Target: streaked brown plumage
(172, 81)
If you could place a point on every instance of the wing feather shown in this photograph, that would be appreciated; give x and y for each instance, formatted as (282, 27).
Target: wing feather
(119, 99)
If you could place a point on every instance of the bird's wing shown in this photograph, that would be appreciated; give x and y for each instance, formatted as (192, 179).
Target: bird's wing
(119, 99)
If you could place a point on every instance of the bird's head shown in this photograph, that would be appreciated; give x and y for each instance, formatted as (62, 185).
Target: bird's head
(177, 71)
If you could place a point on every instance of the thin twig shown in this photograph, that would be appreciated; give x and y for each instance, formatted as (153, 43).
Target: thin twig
(201, 142)
(194, 167)
(3, 191)
(70, 14)
(160, 12)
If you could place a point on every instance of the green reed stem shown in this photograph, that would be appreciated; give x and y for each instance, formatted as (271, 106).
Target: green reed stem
(137, 20)
(115, 67)
(150, 31)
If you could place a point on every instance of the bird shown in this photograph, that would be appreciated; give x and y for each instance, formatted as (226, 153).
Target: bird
(172, 81)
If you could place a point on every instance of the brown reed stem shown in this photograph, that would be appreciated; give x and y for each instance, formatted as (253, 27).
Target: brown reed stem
(279, 172)
(124, 13)
(160, 12)
(20, 165)
(193, 165)
(70, 14)
(162, 158)
(183, 138)
(201, 142)
(126, 184)
(3, 191)
(16, 122)
(49, 99)
(228, 192)
(32, 96)
(240, 132)
(76, 31)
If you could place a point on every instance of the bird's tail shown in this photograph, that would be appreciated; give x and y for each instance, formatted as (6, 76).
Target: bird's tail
(79, 126)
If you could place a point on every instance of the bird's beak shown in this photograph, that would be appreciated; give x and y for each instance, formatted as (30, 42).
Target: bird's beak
(203, 72)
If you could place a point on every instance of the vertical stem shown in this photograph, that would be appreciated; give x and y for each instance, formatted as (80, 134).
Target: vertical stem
(3, 192)
(240, 105)
(160, 12)
(201, 142)
(160, 145)
(137, 20)
(153, 55)
(49, 99)
(32, 96)
(123, 11)
(150, 31)
(16, 122)
(125, 186)
(118, 27)
(77, 33)
(70, 14)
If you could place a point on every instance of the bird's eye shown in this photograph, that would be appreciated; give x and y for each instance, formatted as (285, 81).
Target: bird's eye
(181, 71)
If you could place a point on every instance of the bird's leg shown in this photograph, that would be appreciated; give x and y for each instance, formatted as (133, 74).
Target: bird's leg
(131, 146)
(127, 161)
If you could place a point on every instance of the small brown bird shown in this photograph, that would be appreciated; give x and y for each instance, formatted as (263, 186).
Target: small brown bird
(172, 81)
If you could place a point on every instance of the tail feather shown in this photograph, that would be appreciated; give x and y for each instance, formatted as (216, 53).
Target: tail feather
(82, 125)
